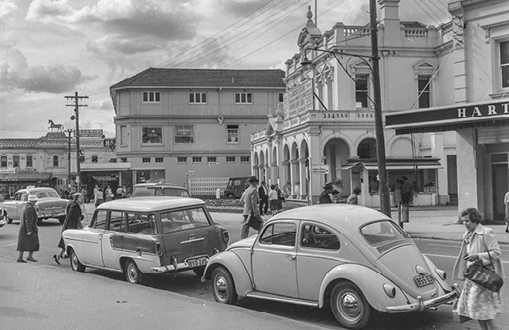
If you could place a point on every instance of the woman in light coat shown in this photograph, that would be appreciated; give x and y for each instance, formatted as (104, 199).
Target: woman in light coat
(479, 246)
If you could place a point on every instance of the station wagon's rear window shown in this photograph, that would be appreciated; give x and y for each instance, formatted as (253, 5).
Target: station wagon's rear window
(172, 221)
(139, 223)
(377, 233)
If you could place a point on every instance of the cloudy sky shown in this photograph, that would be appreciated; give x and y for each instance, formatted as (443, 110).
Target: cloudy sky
(50, 49)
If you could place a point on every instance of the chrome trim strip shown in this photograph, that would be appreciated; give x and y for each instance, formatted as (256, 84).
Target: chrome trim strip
(193, 240)
(295, 301)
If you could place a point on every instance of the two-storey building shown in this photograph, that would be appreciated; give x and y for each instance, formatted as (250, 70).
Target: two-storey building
(174, 125)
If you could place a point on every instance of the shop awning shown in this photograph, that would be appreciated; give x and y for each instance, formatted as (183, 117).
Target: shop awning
(394, 163)
(28, 177)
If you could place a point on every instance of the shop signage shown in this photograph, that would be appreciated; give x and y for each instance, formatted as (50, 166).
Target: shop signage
(320, 169)
(298, 99)
(91, 133)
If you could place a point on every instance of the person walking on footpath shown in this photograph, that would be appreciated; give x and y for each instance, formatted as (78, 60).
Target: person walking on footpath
(72, 221)
(99, 197)
(325, 195)
(479, 246)
(406, 191)
(251, 201)
(28, 238)
(263, 194)
(506, 202)
(273, 199)
(353, 198)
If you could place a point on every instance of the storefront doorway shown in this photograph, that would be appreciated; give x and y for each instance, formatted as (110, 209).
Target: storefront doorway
(500, 188)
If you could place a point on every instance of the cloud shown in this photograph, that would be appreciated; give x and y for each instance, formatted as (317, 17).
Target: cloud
(7, 8)
(15, 73)
(104, 104)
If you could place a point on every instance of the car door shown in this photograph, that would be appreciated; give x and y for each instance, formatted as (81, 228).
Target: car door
(112, 240)
(274, 259)
(93, 239)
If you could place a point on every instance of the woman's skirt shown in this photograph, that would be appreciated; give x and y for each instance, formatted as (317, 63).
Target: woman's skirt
(478, 303)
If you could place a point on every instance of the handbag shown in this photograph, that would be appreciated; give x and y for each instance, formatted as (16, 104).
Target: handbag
(484, 276)
(255, 221)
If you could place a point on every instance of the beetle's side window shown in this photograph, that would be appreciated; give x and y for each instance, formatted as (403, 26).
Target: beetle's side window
(317, 237)
(117, 222)
(283, 233)
(22, 197)
(99, 220)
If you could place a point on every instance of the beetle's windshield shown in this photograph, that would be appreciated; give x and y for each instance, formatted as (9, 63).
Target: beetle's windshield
(376, 233)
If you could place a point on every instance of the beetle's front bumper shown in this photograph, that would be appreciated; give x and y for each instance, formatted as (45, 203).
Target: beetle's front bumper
(421, 305)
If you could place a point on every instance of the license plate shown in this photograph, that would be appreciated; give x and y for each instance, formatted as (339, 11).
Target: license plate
(198, 262)
(423, 280)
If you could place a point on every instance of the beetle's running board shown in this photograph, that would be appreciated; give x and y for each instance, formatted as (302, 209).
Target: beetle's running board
(273, 297)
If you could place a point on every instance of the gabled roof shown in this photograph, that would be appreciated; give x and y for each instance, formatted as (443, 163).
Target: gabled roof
(159, 77)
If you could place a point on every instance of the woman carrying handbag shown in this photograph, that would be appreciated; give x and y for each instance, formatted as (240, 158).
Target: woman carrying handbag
(479, 247)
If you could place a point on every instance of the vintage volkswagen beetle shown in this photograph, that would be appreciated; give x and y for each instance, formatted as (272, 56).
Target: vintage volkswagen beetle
(350, 257)
(146, 235)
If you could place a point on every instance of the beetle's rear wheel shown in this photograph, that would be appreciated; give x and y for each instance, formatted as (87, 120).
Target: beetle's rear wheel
(349, 306)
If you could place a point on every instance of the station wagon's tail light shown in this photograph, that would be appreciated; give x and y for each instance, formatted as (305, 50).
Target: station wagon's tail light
(390, 290)
(159, 251)
(441, 274)
(226, 236)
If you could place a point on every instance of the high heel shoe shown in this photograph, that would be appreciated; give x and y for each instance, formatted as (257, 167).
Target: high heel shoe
(56, 260)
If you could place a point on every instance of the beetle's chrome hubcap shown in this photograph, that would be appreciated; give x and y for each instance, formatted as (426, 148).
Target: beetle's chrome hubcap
(350, 305)
(221, 287)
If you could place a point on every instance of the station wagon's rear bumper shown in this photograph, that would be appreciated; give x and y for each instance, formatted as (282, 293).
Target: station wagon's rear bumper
(170, 268)
(421, 305)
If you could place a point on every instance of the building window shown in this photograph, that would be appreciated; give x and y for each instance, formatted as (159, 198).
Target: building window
(55, 161)
(113, 160)
(184, 134)
(159, 159)
(145, 159)
(30, 161)
(151, 135)
(196, 159)
(95, 158)
(197, 98)
(3, 161)
(281, 97)
(424, 83)
(243, 98)
(367, 148)
(123, 160)
(232, 132)
(123, 135)
(182, 160)
(151, 97)
(244, 159)
(230, 159)
(361, 91)
(15, 161)
(504, 63)
(212, 159)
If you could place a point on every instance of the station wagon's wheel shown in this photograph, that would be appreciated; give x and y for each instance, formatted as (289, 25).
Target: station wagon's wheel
(132, 273)
(9, 220)
(223, 286)
(349, 306)
(76, 265)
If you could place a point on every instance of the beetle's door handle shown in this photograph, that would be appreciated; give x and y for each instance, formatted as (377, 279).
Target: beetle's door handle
(291, 257)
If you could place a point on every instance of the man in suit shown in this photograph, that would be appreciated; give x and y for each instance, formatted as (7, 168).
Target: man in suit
(250, 198)
(263, 194)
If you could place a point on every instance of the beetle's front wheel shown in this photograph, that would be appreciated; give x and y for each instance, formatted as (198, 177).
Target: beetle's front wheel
(223, 286)
(349, 306)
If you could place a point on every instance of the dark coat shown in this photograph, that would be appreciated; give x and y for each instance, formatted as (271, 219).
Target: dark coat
(72, 221)
(324, 198)
(28, 224)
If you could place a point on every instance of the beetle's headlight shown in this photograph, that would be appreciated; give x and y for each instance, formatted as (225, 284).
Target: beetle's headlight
(390, 290)
(441, 274)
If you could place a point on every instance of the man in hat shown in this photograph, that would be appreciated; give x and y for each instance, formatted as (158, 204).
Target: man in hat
(28, 238)
(250, 205)
(406, 191)
(325, 195)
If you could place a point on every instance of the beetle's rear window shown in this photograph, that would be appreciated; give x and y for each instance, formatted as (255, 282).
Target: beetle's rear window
(377, 233)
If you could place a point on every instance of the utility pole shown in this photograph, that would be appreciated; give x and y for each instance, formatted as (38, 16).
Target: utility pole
(385, 204)
(69, 131)
(76, 106)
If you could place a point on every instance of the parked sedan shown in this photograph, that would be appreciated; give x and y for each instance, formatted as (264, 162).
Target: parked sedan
(137, 236)
(49, 204)
(353, 258)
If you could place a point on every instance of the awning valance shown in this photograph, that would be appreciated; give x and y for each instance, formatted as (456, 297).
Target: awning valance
(394, 164)
(28, 177)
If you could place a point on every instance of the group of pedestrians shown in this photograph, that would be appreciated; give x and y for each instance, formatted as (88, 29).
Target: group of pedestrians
(28, 237)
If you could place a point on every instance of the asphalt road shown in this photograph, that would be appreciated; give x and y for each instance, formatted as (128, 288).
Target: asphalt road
(442, 253)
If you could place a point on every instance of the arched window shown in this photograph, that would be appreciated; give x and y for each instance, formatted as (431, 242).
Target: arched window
(55, 161)
(30, 161)
(367, 148)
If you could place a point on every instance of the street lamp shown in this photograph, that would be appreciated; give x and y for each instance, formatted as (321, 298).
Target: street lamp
(385, 203)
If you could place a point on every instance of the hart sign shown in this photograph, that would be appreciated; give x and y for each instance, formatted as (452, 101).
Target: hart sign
(320, 169)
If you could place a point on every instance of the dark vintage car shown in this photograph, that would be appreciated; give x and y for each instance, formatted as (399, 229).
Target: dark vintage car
(49, 204)
(153, 235)
(159, 189)
(352, 258)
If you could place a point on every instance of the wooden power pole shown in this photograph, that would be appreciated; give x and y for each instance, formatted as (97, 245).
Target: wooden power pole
(76, 106)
